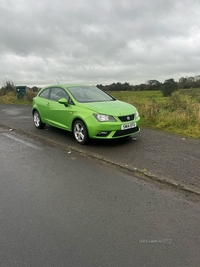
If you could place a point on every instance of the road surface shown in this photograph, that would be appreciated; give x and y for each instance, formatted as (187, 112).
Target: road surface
(166, 156)
(60, 208)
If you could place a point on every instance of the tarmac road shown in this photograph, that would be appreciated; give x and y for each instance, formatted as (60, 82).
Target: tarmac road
(65, 209)
(163, 156)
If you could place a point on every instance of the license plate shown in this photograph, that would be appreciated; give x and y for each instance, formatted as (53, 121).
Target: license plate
(128, 126)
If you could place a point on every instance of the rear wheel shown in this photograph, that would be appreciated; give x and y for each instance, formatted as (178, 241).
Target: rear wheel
(37, 120)
(80, 132)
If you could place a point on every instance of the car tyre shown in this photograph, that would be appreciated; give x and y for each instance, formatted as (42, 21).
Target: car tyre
(80, 132)
(37, 120)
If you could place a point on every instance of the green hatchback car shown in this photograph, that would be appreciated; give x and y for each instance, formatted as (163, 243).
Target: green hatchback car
(86, 111)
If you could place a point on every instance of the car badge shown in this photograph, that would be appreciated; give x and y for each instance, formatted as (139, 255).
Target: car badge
(128, 118)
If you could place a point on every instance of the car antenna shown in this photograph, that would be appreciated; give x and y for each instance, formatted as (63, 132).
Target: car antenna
(56, 80)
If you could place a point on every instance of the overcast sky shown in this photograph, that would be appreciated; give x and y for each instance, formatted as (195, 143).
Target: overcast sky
(98, 41)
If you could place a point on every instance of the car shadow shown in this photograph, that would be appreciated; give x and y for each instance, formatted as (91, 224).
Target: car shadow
(112, 142)
(60, 135)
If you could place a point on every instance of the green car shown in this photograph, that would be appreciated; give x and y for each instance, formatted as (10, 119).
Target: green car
(86, 111)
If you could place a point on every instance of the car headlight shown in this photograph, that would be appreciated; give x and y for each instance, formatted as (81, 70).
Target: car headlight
(102, 117)
(136, 114)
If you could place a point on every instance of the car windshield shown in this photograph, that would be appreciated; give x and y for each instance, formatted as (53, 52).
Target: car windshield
(89, 94)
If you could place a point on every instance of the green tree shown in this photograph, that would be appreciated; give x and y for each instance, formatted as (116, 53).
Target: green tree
(182, 82)
(153, 85)
(168, 87)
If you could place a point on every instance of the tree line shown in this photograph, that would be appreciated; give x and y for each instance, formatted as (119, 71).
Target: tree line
(167, 87)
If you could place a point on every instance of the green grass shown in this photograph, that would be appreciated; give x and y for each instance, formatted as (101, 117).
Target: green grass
(11, 98)
(139, 96)
(179, 113)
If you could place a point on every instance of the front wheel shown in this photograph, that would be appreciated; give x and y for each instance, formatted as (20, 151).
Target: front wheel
(37, 120)
(80, 132)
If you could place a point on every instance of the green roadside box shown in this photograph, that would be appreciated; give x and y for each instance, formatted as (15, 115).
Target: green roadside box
(21, 91)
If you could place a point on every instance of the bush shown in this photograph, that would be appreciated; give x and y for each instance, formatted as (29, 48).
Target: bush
(8, 86)
(168, 87)
(30, 94)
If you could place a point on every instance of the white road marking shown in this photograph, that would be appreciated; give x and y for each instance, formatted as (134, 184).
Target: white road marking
(21, 141)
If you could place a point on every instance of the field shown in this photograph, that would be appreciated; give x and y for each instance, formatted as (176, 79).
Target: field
(179, 113)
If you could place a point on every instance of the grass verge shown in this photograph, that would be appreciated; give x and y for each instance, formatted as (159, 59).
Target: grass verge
(179, 113)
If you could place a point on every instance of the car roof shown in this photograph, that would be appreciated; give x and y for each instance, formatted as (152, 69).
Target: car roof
(73, 85)
(66, 85)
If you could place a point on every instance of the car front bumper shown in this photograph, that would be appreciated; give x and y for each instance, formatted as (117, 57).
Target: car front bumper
(111, 130)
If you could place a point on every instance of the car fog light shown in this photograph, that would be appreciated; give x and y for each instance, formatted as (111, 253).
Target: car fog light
(103, 134)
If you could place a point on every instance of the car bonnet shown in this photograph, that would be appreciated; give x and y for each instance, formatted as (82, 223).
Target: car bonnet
(114, 108)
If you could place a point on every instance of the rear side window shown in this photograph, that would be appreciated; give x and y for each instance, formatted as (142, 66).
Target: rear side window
(44, 94)
(57, 93)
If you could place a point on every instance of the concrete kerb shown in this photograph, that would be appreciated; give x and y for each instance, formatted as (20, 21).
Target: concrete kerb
(135, 171)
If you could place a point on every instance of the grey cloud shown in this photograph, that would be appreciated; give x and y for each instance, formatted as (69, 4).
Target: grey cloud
(103, 41)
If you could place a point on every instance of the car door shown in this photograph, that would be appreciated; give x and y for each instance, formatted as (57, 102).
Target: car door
(42, 104)
(58, 114)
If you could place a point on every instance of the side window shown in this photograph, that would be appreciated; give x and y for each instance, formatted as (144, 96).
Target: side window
(57, 93)
(45, 94)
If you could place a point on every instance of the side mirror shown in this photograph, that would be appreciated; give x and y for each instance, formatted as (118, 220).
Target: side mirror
(63, 101)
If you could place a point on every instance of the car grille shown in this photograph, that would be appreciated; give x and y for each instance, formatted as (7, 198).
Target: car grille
(125, 132)
(126, 118)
